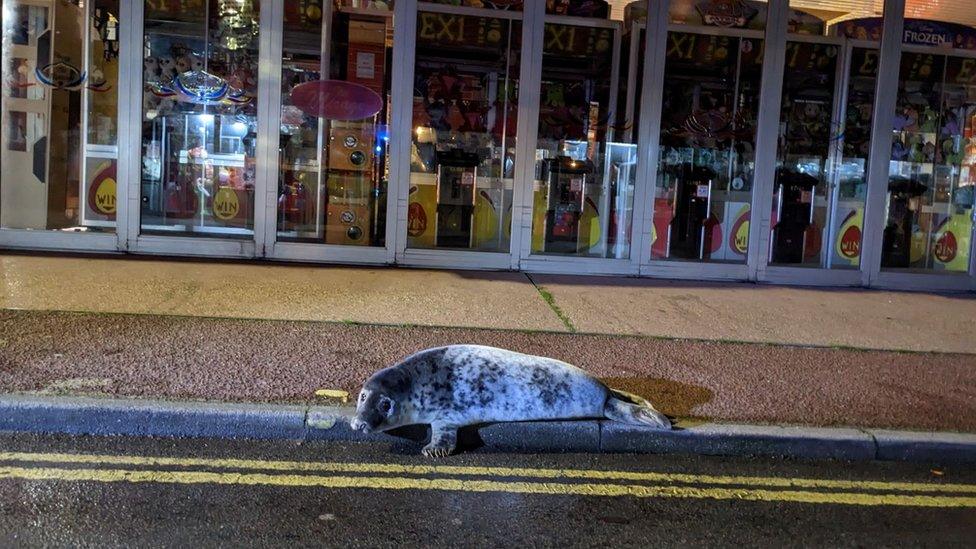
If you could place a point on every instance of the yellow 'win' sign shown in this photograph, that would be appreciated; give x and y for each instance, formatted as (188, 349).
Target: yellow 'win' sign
(225, 204)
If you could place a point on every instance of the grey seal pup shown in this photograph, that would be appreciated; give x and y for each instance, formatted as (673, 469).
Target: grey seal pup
(459, 385)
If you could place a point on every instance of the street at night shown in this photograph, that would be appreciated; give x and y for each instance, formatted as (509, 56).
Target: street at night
(124, 492)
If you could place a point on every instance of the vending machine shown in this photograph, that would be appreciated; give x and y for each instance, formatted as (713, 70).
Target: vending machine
(457, 177)
(566, 180)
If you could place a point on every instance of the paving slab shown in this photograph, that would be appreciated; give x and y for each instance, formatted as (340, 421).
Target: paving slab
(860, 318)
(274, 291)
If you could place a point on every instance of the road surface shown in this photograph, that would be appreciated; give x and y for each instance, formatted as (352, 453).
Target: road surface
(131, 492)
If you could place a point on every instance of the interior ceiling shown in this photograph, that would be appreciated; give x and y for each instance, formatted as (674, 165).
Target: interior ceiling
(953, 11)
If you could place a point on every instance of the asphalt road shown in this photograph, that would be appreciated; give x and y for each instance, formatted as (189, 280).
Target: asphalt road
(129, 492)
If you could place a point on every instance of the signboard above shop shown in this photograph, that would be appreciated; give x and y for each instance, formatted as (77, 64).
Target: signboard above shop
(918, 32)
(739, 14)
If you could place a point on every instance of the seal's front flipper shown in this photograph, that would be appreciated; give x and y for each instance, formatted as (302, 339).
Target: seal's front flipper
(635, 414)
(443, 440)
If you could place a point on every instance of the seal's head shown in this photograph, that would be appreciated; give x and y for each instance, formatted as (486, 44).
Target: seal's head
(379, 405)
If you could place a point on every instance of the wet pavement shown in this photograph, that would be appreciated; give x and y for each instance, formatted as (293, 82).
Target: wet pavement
(503, 300)
(190, 358)
(131, 492)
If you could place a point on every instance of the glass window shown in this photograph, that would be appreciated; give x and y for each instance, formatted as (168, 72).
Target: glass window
(333, 170)
(929, 204)
(708, 130)
(199, 117)
(586, 154)
(930, 184)
(465, 108)
(58, 144)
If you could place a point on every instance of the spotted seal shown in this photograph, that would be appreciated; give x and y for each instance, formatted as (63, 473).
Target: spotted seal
(459, 385)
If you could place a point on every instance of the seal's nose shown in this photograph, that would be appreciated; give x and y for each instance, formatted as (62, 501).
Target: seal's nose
(359, 425)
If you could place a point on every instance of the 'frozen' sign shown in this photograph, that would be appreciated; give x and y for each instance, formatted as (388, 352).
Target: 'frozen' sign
(919, 32)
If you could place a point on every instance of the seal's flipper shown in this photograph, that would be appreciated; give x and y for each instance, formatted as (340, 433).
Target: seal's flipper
(633, 410)
(443, 440)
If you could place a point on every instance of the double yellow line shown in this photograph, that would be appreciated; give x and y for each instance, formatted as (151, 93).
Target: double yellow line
(385, 476)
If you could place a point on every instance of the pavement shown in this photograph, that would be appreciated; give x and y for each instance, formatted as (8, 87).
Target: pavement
(137, 492)
(860, 318)
(188, 331)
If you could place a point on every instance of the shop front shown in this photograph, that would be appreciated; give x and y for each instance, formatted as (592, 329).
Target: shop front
(787, 142)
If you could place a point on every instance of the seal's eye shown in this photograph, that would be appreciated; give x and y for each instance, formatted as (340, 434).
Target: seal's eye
(362, 397)
(384, 406)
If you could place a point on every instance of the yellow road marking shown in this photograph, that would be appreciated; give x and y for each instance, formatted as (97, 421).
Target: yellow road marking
(460, 485)
(389, 468)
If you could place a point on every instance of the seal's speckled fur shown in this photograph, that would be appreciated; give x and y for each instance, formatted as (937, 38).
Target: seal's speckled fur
(459, 385)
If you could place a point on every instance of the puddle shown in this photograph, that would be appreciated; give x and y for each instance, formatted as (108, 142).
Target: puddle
(670, 397)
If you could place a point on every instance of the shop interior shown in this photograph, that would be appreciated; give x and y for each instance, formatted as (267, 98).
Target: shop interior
(200, 174)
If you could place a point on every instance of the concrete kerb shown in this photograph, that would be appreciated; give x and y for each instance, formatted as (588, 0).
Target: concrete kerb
(98, 416)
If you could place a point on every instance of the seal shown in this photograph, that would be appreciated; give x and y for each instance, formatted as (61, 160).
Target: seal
(460, 385)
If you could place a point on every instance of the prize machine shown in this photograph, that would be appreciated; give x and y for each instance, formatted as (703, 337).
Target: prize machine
(566, 179)
(333, 165)
(583, 177)
(199, 119)
(690, 236)
(795, 208)
(464, 127)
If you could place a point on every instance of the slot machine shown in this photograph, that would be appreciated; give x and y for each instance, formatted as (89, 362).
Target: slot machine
(457, 176)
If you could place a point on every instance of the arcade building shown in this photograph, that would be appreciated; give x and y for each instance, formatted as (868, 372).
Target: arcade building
(818, 142)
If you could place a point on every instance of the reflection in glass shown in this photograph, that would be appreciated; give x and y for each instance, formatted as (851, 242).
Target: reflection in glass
(464, 125)
(711, 97)
(199, 117)
(60, 110)
(334, 129)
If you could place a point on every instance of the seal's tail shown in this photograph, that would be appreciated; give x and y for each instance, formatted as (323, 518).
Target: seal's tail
(634, 410)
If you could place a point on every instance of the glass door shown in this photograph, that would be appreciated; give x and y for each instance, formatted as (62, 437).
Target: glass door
(464, 128)
(586, 150)
(707, 157)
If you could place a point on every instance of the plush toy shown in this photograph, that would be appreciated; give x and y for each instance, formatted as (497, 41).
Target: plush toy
(150, 69)
(167, 69)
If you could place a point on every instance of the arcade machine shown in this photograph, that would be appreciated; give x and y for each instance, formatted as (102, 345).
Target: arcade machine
(566, 179)
(689, 238)
(457, 183)
(795, 210)
(333, 171)
(903, 208)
